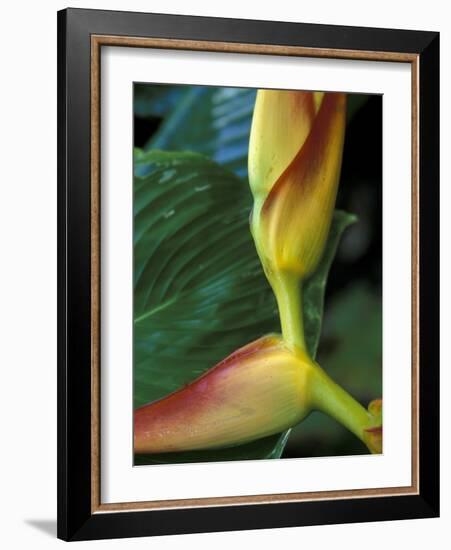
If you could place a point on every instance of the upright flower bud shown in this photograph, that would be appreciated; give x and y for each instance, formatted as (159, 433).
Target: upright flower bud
(295, 156)
(259, 390)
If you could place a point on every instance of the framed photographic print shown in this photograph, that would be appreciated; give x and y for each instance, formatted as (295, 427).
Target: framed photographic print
(248, 274)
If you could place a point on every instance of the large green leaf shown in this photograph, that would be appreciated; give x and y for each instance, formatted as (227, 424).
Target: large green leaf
(213, 121)
(198, 281)
(200, 292)
(315, 287)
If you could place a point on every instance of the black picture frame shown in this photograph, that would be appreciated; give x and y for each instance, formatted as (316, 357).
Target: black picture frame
(76, 518)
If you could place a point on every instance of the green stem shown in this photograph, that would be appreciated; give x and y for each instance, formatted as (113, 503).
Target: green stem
(332, 399)
(325, 395)
(288, 291)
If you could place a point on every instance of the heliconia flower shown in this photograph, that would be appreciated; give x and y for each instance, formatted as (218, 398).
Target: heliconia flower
(259, 390)
(295, 154)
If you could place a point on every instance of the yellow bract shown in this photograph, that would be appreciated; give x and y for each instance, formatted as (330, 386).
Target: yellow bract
(259, 390)
(281, 122)
(294, 168)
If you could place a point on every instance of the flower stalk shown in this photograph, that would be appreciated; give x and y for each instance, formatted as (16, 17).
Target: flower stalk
(331, 399)
(288, 291)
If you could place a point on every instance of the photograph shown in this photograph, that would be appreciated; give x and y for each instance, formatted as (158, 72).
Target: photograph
(257, 273)
(248, 306)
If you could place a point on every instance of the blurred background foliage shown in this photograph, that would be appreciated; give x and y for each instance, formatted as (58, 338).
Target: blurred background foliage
(215, 122)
